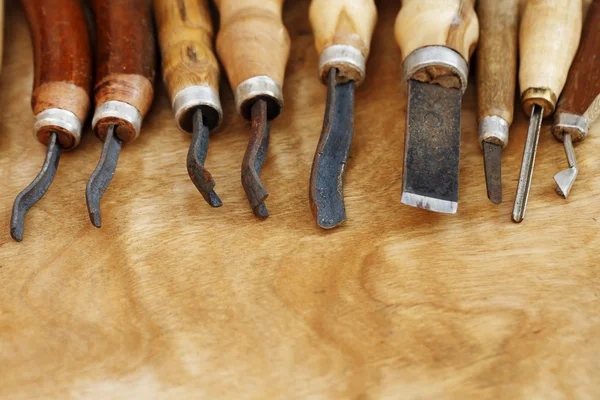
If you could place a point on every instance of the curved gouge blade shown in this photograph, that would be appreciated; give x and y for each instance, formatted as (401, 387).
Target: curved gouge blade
(102, 175)
(36, 189)
(492, 164)
(254, 158)
(196, 157)
(432, 147)
(566, 178)
(327, 175)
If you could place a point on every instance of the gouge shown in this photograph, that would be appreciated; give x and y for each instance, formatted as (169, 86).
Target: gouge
(496, 83)
(343, 30)
(548, 39)
(437, 38)
(579, 105)
(254, 47)
(191, 74)
(61, 90)
(123, 92)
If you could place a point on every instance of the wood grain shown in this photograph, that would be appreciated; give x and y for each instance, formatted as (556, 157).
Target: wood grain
(549, 37)
(172, 299)
(497, 58)
(582, 89)
(125, 59)
(252, 40)
(185, 32)
(62, 58)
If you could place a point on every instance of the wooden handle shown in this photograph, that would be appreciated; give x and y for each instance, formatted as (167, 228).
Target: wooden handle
(450, 23)
(497, 58)
(252, 40)
(549, 36)
(63, 68)
(125, 60)
(581, 95)
(185, 34)
(343, 22)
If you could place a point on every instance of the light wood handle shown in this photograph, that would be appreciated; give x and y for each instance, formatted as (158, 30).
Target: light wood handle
(497, 58)
(581, 95)
(125, 60)
(548, 40)
(63, 63)
(450, 23)
(343, 22)
(185, 33)
(252, 40)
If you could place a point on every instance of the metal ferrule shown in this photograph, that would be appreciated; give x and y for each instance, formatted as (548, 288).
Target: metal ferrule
(345, 57)
(575, 125)
(120, 110)
(61, 118)
(493, 129)
(430, 56)
(187, 100)
(255, 87)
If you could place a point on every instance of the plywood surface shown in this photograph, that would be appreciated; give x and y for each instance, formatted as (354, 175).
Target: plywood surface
(173, 299)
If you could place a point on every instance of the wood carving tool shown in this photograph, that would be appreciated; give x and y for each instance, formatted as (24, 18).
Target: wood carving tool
(496, 83)
(437, 38)
(548, 40)
(254, 47)
(191, 74)
(123, 92)
(579, 105)
(343, 30)
(61, 90)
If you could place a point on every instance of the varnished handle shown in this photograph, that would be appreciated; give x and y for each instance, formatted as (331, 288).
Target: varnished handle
(548, 40)
(348, 25)
(63, 69)
(253, 43)
(448, 23)
(581, 95)
(125, 65)
(497, 58)
(190, 67)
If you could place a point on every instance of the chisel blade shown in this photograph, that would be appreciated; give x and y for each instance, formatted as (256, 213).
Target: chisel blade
(492, 164)
(432, 147)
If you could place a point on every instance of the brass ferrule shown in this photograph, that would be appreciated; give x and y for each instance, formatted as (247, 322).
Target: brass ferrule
(543, 97)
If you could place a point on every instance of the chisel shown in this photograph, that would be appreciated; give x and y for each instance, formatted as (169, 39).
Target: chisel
(496, 83)
(579, 105)
(61, 90)
(123, 91)
(343, 30)
(191, 74)
(254, 47)
(548, 39)
(437, 38)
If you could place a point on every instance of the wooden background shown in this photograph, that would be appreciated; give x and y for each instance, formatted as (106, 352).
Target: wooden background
(173, 299)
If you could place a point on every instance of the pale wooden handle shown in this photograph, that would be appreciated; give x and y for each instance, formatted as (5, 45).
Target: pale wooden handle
(450, 23)
(549, 37)
(185, 34)
(349, 22)
(497, 58)
(252, 40)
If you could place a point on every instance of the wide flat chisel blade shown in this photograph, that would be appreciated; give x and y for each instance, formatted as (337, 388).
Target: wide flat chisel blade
(432, 147)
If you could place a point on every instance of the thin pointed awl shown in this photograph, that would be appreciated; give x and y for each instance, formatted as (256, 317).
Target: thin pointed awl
(327, 175)
(566, 178)
(196, 157)
(102, 175)
(492, 164)
(36, 189)
(254, 158)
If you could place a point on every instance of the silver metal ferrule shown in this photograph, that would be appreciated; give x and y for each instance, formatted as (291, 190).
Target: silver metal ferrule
(575, 125)
(346, 56)
(430, 56)
(186, 101)
(255, 87)
(121, 110)
(493, 129)
(58, 117)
